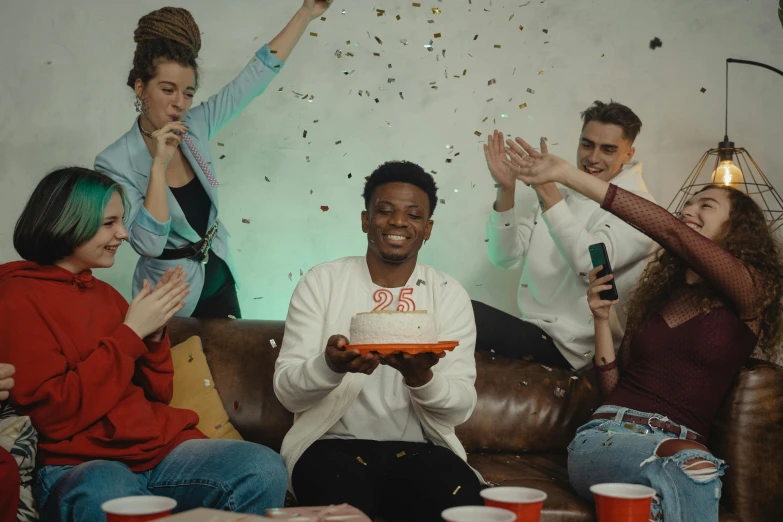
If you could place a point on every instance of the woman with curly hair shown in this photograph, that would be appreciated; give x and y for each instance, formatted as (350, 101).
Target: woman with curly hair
(712, 295)
(164, 164)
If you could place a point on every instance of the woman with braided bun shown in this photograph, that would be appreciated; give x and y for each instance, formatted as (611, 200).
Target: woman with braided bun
(164, 163)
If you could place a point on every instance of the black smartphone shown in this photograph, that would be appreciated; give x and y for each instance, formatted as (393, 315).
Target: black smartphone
(600, 258)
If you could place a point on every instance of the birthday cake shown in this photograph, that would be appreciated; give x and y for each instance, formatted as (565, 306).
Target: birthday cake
(389, 327)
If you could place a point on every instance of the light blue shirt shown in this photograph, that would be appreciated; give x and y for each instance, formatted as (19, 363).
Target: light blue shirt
(128, 162)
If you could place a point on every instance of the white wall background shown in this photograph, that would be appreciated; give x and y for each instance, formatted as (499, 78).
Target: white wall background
(63, 99)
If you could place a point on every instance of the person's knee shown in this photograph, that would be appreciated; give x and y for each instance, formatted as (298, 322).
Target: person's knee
(698, 468)
(266, 468)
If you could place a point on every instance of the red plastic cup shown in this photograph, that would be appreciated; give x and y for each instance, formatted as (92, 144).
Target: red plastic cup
(622, 502)
(525, 503)
(138, 509)
(477, 514)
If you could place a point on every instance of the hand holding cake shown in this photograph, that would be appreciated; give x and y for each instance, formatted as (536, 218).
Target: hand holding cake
(343, 360)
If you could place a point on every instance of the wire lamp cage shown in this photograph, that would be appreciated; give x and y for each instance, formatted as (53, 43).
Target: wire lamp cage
(735, 167)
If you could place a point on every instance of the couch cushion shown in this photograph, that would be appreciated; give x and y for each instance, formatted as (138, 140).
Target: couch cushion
(525, 407)
(194, 389)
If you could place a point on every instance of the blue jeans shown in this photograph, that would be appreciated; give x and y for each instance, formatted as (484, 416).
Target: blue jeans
(220, 474)
(613, 451)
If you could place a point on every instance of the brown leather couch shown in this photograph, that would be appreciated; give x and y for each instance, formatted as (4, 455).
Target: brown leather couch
(525, 417)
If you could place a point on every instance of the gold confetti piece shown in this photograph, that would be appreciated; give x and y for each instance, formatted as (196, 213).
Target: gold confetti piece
(190, 356)
(435, 10)
(603, 55)
(359, 458)
(304, 134)
(300, 270)
(457, 154)
(231, 317)
(398, 17)
(416, 4)
(236, 405)
(703, 90)
(381, 12)
(543, 337)
(280, 89)
(378, 40)
(245, 221)
(273, 51)
(521, 28)
(493, 81)
(477, 133)
(347, 42)
(455, 491)
(338, 142)
(401, 454)
(510, 18)
(522, 105)
(464, 72)
(376, 54)
(323, 18)
(497, 46)
(437, 35)
(313, 34)
(349, 54)
(220, 145)
(531, 91)
(541, 72)
(218, 426)
(485, 119)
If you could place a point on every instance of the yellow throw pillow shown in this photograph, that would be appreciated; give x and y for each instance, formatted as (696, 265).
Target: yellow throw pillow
(194, 389)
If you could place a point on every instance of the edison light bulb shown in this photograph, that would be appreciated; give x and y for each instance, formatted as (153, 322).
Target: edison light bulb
(727, 174)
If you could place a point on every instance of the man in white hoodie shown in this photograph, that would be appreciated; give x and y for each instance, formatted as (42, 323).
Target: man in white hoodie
(373, 431)
(550, 241)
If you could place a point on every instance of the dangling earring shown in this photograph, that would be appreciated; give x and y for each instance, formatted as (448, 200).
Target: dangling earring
(141, 105)
(137, 104)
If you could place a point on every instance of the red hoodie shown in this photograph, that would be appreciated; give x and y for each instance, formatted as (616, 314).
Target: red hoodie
(92, 388)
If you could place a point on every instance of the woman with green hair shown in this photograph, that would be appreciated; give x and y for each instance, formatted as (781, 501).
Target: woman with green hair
(95, 374)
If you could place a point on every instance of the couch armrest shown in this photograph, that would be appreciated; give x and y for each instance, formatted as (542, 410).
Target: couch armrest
(748, 434)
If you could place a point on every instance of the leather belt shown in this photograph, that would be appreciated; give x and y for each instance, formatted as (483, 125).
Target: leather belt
(195, 251)
(655, 422)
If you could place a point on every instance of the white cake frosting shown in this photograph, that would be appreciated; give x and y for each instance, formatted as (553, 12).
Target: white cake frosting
(390, 327)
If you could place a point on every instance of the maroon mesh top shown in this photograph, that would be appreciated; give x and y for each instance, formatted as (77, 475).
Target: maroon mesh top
(682, 361)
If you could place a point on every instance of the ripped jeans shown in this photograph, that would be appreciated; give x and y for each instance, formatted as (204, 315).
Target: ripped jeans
(614, 451)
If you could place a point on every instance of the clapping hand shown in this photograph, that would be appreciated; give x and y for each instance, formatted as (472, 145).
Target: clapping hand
(534, 167)
(175, 274)
(316, 8)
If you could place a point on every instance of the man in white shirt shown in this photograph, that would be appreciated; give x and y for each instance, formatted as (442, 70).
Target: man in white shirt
(550, 241)
(375, 431)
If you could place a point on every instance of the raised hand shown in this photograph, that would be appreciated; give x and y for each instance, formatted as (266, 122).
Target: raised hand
(341, 359)
(166, 140)
(7, 372)
(171, 274)
(495, 153)
(316, 8)
(534, 167)
(151, 310)
(416, 369)
(598, 306)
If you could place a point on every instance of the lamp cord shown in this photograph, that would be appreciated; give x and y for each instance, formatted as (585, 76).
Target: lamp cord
(747, 62)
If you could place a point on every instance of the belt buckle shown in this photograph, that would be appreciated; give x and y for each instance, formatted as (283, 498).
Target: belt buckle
(659, 419)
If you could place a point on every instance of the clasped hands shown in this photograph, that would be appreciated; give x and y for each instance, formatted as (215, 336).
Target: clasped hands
(415, 369)
(511, 160)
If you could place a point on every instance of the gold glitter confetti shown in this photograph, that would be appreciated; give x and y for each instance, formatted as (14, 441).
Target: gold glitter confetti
(493, 81)
(398, 17)
(376, 54)
(531, 91)
(522, 105)
(380, 12)
(464, 72)
(541, 72)
(437, 35)
(455, 491)
(416, 4)
(280, 89)
(510, 18)
(497, 46)
(190, 356)
(323, 18)
(378, 40)
(349, 54)
(220, 144)
(245, 221)
(521, 28)
(313, 34)
(401, 454)
(485, 119)
(435, 10)
(231, 317)
(359, 458)
(477, 133)
(603, 55)
(218, 426)
(703, 90)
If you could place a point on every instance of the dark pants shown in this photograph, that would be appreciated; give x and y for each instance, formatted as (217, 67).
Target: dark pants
(220, 305)
(512, 337)
(400, 481)
(9, 487)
